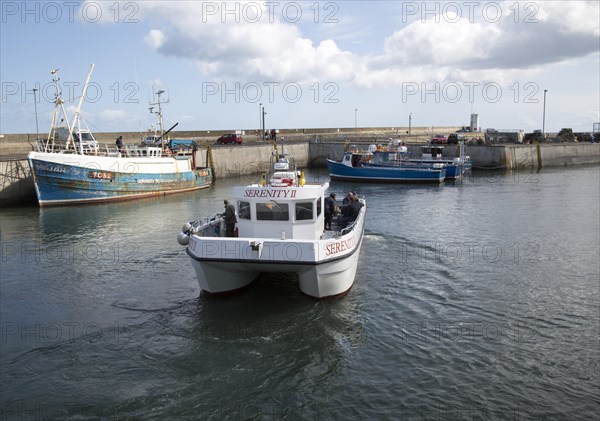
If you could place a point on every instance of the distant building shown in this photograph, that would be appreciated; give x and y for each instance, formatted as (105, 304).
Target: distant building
(474, 122)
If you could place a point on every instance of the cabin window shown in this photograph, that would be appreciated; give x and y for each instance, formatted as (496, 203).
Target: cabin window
(304, 211)
(272, 211)
(244, 210)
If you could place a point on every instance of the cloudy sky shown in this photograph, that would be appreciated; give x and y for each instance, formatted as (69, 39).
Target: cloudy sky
(310, 64)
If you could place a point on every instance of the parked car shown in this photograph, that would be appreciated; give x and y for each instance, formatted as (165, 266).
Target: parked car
(453, 138)
(230, 138)
(463, 130)
(439, 139)
(152, 140)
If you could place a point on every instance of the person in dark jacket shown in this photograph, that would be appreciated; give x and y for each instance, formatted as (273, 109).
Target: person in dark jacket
(230, 219)
(354, 208)
(119, 144)
(346, 200)
(350, 212)
(329, 210)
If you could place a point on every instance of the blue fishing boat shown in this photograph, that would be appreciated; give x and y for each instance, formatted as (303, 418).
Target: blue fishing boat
(70, 167)
(383, 166)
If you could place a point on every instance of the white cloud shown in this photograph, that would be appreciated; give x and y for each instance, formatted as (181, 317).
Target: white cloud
(155, 39)
(579, 17)
(273, 49)
(112, 115)
(442, 43)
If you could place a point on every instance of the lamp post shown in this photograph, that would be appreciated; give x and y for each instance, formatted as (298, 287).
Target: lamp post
(263, 123)
(409, 123)
(37, 130)
(356, 118)
(260, 120)
(544, 116)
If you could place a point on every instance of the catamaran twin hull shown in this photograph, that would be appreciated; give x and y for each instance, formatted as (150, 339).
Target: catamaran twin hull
(62, 179)
(324, 267)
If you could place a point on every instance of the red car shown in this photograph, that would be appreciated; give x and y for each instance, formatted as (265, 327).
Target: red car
(230, 138)
(439, 139)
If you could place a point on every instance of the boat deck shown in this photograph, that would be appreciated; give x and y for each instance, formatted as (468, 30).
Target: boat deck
(336, 228)
(334, 231)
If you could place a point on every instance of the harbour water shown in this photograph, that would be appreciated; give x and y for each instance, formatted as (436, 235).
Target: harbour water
(475, 299)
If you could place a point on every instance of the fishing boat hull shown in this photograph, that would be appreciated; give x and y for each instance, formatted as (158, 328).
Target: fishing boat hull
(398, 174)
(455, 171)
(64, 179)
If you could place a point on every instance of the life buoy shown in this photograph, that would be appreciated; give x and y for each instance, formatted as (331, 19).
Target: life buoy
(282, 182)
(168, 152)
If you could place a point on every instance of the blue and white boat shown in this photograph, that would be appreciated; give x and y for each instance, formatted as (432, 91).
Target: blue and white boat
(383, 166)
(455, 168)
(70, 167)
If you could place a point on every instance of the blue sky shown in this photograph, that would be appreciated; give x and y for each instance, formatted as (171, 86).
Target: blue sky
(311, 64)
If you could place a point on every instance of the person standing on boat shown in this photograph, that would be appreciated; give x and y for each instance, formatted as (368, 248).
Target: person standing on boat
(346, 200)
(350, 212)
(230, 219)
(329, 210)
(119, 143)
(354, 207)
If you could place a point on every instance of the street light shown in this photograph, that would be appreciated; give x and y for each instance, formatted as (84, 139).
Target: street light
(356, 118)
(263, 123)
(409, 123)
(544, 116)
(37, 130)
(260, 118)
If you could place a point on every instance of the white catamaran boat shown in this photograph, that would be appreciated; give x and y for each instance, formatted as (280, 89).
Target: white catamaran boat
(70, 167)
(280, 228)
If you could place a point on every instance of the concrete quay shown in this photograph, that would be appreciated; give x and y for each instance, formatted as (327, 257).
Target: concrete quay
(252, 158)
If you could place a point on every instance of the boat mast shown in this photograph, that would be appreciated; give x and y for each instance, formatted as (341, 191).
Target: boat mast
(76, 116)
(58, 102)
(160, 115)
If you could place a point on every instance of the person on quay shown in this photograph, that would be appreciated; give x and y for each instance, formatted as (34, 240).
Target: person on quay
(230, 218)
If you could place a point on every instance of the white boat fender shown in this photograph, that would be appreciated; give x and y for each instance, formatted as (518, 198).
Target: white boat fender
(183, 239)
(184, 236)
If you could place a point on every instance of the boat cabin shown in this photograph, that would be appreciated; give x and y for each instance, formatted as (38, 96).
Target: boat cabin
(386, 157)
(431, 152)
(356, 159)
(280, 212)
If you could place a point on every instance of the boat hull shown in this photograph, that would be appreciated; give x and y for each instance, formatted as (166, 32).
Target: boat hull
(393, 174)
(64, 179)
(317, 279)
